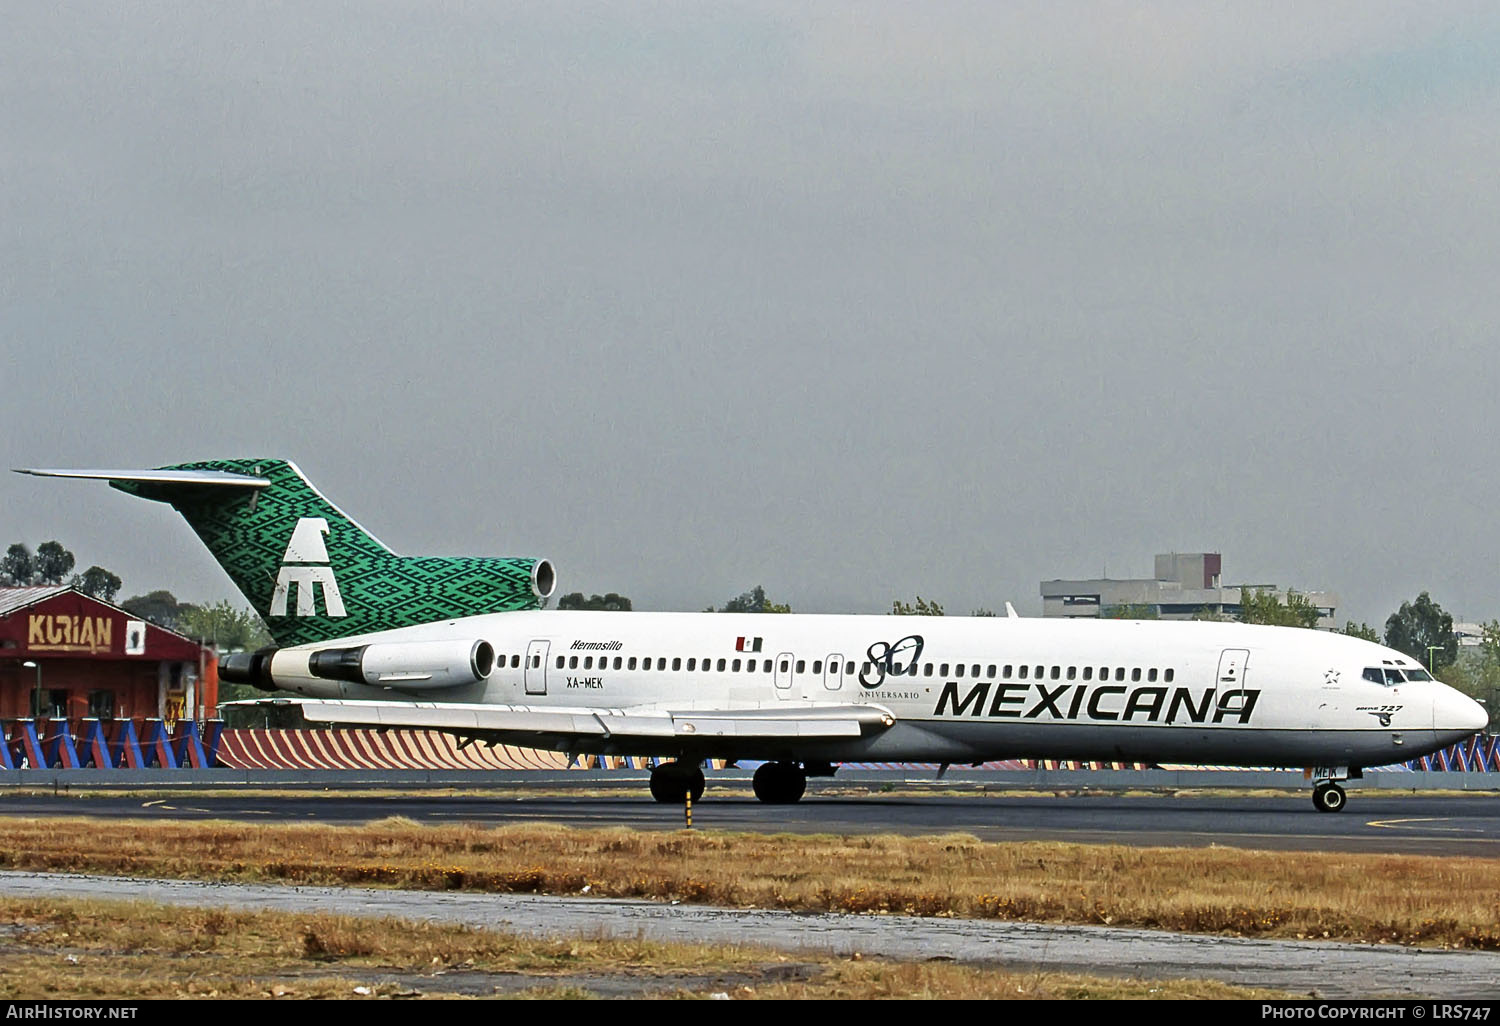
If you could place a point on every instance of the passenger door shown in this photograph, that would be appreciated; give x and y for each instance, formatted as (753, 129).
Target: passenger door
(833, 672)
(783, 676)
(1233, 663)
(536, 667)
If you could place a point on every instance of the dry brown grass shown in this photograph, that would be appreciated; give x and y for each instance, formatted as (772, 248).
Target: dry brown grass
(79, 950)
(1407, 899)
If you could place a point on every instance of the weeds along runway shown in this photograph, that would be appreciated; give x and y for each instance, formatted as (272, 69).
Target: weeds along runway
(1320, 969)
(1428, 824)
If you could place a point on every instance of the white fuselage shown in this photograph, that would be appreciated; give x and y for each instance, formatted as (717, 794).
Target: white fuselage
(960, 689)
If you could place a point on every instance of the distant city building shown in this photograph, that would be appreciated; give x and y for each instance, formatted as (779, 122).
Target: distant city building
(1186, 586)
(1470, 635)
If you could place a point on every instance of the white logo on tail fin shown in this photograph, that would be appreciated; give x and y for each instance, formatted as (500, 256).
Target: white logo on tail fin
(307, 546)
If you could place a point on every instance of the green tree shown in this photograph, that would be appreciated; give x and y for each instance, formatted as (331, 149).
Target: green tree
(18, 567)
(611, 602)
(1130, 611)
(921, 608)
(53, 563)
(1419, 627)
(1476, 671)
(160, 607)
(1360, 630)
(983, 612)
(221, 624)
(98, 582)
(1265, 607)
(752, 601)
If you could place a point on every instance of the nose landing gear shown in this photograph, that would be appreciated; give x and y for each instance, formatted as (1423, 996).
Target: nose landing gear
(1328, 796)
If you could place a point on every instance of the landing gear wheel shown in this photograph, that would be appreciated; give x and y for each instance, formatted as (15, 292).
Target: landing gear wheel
(779, 783)
(1329, 798)
(674, 781)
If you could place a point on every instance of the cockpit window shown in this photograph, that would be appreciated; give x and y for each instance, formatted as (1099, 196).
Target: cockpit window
(1390, 676)
(1418, 675)
(1374, 674)
(1393, 676)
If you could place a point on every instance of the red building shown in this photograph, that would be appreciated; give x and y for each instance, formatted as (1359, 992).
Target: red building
(88, 658)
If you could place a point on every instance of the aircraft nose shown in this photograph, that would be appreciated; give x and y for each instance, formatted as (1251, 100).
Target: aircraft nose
(1456, 713)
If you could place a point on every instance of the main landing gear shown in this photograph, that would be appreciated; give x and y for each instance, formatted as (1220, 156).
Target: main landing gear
(1328, 796)
(779, 783)
(674, 781)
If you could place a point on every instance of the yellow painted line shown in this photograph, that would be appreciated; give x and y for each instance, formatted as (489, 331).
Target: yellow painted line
(154, 801)
(1398, 823)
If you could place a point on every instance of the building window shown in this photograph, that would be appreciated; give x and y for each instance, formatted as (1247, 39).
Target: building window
(102, 705)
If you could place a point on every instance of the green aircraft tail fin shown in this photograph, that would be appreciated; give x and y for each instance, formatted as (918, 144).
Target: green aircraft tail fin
(309, 570)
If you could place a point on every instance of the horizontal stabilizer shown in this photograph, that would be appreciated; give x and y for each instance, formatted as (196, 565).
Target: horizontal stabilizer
(158, 477)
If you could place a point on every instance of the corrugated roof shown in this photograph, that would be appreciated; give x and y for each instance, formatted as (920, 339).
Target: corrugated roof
(12, 599)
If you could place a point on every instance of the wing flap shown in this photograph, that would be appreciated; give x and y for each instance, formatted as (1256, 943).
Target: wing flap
(812, 722)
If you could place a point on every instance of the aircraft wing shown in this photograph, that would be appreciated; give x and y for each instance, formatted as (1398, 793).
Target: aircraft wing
(518, 723)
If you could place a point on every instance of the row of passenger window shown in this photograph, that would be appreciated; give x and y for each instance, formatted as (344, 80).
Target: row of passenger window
(1010, 671)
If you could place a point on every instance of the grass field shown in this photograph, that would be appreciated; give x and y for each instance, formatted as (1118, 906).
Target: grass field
(80, 950)
(1403, 899)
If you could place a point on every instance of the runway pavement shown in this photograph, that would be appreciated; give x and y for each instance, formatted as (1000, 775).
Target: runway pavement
(1373, 822)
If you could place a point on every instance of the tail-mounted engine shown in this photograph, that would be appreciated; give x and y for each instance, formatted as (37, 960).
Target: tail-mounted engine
(406, 665)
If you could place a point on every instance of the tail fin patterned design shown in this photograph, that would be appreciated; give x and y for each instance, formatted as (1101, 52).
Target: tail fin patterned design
(313, 574)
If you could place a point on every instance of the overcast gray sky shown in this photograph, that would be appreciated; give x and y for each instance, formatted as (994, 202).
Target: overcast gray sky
(853, 301)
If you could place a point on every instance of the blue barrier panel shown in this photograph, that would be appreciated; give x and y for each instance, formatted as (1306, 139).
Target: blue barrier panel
(94, 748)
(157, 746)
(59, 750)
(27, 745)
(9, 752)
(213, 733)
(187, 746)
(1478, 754)
(127, 748)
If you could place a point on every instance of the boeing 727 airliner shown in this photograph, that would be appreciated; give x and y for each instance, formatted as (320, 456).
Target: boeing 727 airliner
(371, 638)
